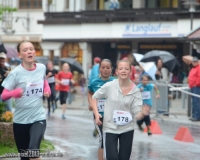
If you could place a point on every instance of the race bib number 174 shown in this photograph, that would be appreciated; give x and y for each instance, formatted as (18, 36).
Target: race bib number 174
(34, 89)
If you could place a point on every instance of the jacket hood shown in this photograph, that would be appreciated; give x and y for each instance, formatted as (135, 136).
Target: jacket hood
(134, 90)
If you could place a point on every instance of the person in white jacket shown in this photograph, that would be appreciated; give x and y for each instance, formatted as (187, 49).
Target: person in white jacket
(123, 103)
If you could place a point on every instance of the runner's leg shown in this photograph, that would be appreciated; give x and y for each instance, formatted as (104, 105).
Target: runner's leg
(63, 99)
(125, 145)
(100, 131)
(36, 134)
(22, 138)
(111, 146)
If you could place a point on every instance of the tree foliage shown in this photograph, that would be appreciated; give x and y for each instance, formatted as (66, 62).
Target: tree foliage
(4, 9)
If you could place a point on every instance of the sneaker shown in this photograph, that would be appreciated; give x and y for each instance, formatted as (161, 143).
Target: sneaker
(95, 132)
(149, 132)
(140, 127)
(63, 116)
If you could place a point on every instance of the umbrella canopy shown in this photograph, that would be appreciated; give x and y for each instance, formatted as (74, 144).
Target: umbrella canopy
(42, 60)
(74, 64)
(150, 68)
(2, 48)
(138, 56)
(11, 52)
(169, 61)
(188, 59)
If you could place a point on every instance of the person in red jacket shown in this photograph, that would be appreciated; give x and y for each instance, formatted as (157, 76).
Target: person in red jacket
(194, 84)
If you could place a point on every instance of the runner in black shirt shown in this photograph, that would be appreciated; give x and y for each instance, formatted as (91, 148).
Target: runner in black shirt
(50, 75)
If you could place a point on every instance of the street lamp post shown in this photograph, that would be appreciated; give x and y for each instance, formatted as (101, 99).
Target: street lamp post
(192, 4)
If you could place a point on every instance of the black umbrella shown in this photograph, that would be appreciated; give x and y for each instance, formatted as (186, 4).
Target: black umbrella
(168, 59)
(41, 59)
(2, 48)
(74, 64)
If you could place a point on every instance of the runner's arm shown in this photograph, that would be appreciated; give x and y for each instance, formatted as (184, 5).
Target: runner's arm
(89, 95)
(157, 91)
(16, 93)
(47, 90)
(96, 113)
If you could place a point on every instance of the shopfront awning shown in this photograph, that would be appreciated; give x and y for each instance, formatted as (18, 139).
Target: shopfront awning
(193, 36)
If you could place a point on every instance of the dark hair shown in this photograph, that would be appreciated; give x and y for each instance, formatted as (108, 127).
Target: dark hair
(105, 60)
(19, 44)
(123, 60)
(48, 63)
(145, 76)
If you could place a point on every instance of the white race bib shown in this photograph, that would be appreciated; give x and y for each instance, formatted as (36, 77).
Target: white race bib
(146, 95)
(34, 89)
(65, 81)
(100, 105)
(121, 117)
(51, 79)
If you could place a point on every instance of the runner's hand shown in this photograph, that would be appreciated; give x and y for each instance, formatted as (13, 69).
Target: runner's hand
(46, 94)
(157, 96)
(90, 108)
(97, 120)
(49, 74)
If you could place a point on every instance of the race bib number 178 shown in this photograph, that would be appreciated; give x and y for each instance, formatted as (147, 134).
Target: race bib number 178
(121, 117)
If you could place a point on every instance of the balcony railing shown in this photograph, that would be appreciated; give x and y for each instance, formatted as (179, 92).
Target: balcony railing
(103, 16)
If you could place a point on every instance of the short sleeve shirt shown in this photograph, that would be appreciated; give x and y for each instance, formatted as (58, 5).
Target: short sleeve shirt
(147, 93)
(28, 109)
(66, 78)
(96, 84)
(51, 79)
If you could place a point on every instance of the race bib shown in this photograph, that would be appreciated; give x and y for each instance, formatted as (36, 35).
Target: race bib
(121, 117)
(34, 89)
(51, 79)
(100, 105)
(65, 81)
(146, 95)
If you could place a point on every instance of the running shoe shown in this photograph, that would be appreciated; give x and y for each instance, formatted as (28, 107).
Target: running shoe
(149, 132)
(95, 132)
(63, 116)
(140, 127)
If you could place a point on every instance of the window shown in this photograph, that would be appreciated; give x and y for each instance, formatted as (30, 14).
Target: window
(30, 4)
(162, 3)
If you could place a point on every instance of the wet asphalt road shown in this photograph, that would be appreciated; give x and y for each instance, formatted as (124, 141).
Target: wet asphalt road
(73, 137)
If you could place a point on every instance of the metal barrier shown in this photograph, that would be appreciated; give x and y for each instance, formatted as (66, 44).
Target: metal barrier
(170, 102)
(161, 105)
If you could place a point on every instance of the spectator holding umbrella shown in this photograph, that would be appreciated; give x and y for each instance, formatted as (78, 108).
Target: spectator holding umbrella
(194, 84)
(162, 73)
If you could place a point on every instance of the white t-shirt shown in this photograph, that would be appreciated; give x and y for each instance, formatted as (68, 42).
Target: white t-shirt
(28, 108)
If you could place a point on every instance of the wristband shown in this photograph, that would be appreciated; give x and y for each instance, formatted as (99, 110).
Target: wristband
(157, 92)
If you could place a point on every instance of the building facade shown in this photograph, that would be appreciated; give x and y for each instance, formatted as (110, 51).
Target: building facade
(83, 29)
